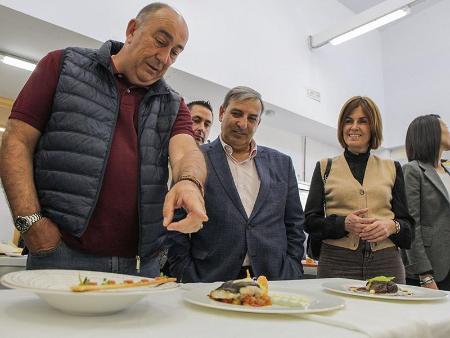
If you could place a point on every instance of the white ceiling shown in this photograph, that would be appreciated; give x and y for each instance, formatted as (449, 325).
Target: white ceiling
(358, 6)
(30, 38)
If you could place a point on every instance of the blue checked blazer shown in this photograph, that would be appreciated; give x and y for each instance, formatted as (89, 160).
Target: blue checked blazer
(272, 236)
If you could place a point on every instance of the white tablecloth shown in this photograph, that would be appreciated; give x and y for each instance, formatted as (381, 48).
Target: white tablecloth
(166, 315)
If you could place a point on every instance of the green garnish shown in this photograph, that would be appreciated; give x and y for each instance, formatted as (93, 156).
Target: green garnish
(380, 279)
(82, 281)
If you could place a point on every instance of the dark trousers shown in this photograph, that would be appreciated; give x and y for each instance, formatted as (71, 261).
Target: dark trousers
(362, 263)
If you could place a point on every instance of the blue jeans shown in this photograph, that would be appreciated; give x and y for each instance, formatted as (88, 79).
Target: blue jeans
(64, 257)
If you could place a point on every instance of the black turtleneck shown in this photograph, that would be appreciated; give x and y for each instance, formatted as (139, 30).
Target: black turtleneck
(357, 164)
(333, 226)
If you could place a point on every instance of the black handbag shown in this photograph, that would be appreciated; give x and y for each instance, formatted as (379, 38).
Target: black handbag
(314, 245)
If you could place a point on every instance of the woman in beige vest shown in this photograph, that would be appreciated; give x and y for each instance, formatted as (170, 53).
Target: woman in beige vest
(427, 186)
(359, 211)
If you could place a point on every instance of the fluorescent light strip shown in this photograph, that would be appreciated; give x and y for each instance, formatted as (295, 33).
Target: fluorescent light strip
(400, 13)
(2, 129)
(13, 61)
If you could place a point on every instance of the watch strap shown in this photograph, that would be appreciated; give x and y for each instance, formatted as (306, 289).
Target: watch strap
(30, 220)
(33, 218)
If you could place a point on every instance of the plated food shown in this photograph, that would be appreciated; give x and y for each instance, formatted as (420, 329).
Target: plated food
(234, 296)
(379, 287)
(243, 292)
(110, 292)
(87, 284)
(382, 285)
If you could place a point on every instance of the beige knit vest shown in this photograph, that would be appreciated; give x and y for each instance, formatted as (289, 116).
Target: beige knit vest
(344, 194)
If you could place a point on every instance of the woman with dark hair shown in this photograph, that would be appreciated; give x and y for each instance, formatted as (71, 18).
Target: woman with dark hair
(358, 209)
(427, 186)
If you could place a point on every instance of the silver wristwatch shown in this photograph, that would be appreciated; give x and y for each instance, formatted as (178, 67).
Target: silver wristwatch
(24, 223)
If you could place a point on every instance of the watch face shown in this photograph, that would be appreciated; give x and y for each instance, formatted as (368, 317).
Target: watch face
(21, 224)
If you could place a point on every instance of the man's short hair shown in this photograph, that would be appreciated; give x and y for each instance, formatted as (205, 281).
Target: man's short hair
(152, 8)
(373, 114)
(202, 103)
(240, 94)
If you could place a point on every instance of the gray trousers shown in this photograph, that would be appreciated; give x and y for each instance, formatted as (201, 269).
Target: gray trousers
(362, 263)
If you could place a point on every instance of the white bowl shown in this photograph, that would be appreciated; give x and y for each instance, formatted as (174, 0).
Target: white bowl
(53, 286)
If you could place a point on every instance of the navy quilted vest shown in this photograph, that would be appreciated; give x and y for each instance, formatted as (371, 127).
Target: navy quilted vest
(72, 152)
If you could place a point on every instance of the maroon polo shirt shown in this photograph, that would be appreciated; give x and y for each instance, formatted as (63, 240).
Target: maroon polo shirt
(113, 227)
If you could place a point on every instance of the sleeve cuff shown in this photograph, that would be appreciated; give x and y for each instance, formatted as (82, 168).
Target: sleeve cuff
(340, 224)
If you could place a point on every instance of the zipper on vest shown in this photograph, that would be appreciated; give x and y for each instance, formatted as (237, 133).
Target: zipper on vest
(102, 176)
(138, 263)
(139, 244)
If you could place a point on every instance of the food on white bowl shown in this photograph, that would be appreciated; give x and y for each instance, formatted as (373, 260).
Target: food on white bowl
(54, 287)
(86, 284)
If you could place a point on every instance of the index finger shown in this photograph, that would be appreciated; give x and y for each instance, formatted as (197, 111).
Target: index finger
(192, 220)
(370, 227)
(366, 220)
(168, 209)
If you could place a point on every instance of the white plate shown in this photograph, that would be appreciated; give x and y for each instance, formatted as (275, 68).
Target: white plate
(418, 293)
(316, 302)
(13, 254)
(53, 286)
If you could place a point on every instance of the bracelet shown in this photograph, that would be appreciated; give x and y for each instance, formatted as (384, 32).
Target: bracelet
(194, 180)
(397, 226)
(427, 280)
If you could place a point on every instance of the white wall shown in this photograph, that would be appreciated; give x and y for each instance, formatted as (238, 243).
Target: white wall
(315, 151)
(286, 142)
(6, 221)
(416, 54)
(399, 154)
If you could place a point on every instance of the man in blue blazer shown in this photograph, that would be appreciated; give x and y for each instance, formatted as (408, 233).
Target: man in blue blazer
(252, 202)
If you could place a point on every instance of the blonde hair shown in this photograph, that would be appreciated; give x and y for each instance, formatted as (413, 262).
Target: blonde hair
(373, 114)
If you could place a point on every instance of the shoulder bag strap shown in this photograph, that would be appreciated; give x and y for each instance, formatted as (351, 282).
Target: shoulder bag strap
(325, 177)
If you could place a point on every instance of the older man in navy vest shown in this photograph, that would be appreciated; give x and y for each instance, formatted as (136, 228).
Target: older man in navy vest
(84, 159)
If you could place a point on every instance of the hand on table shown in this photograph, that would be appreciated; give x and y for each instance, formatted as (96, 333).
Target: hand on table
(431, 285)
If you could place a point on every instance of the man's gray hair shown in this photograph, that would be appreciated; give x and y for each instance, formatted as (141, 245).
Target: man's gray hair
(152, 8)
(240, 94)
